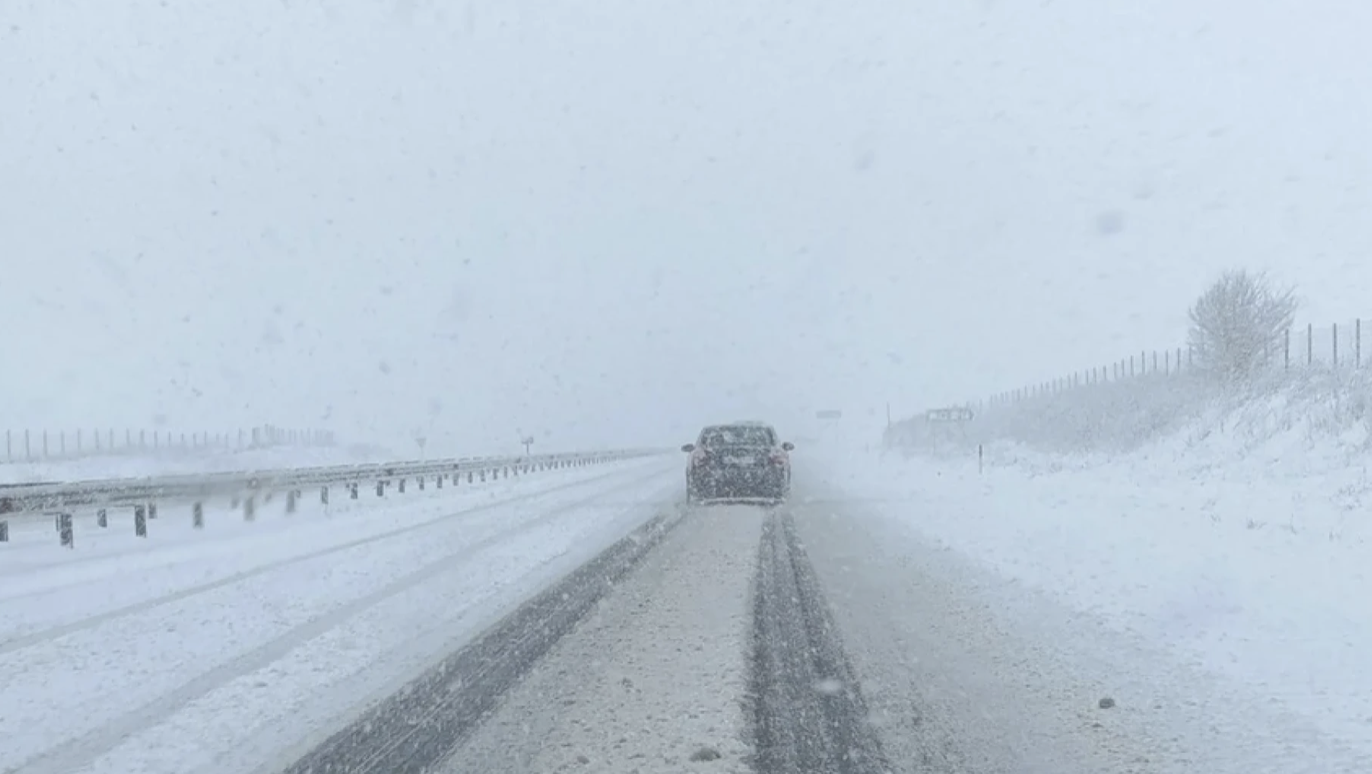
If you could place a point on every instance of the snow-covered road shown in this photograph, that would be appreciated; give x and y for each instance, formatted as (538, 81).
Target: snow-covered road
(1224, 647)
(214, 654)
(919, 654)
(875, 623)
(652, 678)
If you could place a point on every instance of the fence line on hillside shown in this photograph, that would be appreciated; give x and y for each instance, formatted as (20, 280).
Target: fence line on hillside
(52, 445)
(1332, 346)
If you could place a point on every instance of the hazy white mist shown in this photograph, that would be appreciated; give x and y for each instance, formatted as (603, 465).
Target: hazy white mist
(606, 222)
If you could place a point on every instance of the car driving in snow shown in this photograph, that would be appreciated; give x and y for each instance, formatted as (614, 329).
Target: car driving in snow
(738, 461)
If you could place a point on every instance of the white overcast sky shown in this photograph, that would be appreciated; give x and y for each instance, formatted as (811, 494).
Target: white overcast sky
(608, 221)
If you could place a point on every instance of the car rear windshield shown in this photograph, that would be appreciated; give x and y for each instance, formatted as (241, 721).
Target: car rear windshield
(736, 436)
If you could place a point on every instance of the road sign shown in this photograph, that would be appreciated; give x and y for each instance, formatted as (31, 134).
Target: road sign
(829, 414)
(949, 415)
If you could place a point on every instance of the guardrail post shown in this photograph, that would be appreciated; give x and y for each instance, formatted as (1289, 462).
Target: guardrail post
(470, 477)
(438, 480)
(402, 486)
(249, 508)
(381, 489)
(290, 501)
(483, 475)
(198, 515)
(421, 483)
(140, 520)
(152, 510)
(324, 495)
(64, 530)
(352, 491)
(101, 518)
(4, 532)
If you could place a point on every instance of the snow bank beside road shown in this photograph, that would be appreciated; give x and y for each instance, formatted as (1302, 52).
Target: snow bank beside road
(1236, 542)
(1316, 411)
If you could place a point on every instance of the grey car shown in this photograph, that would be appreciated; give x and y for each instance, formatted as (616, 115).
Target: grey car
(738, 461)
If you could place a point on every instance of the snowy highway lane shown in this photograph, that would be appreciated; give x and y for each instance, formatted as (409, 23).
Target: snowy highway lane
(220, 663)
(608, 628)
(806, 637)
(44, 589)
(824, 635)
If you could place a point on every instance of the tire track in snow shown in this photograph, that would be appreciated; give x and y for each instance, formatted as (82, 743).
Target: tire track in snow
(651, 679)
(78, 752)
(35, 638)
(807, 710)
(419, 726)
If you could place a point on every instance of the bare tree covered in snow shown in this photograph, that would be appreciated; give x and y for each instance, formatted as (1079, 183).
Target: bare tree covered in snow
(1237, 322)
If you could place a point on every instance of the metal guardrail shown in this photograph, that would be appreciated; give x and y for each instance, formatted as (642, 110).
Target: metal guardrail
(143, 494)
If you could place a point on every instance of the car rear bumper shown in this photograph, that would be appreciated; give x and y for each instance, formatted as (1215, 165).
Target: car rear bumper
(722, 484)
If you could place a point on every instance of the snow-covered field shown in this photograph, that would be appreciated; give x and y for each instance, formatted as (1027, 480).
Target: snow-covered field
(1232, 545)
(228, 648)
